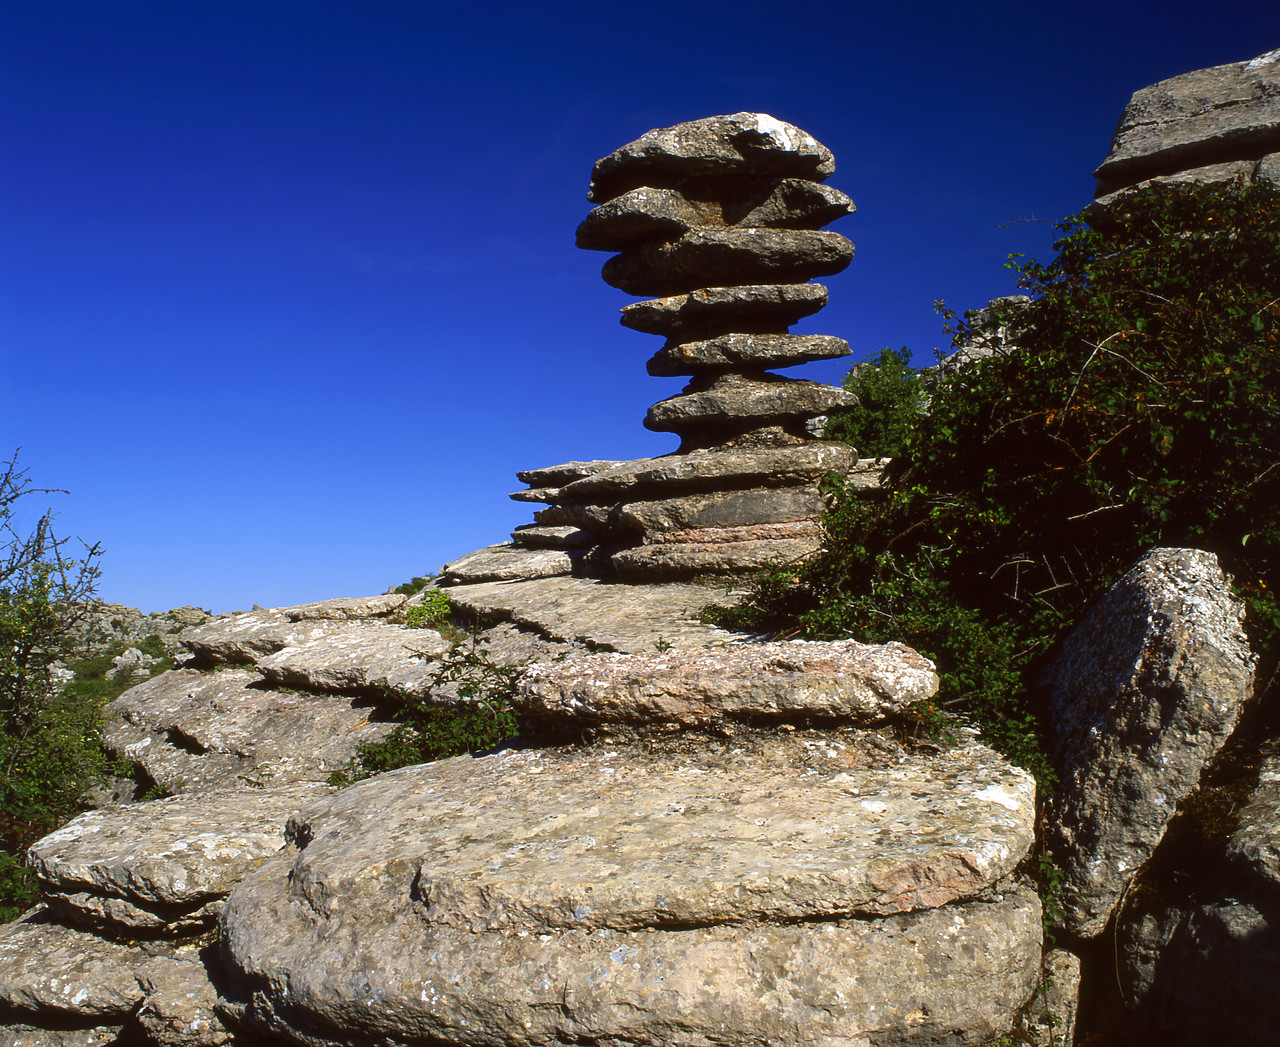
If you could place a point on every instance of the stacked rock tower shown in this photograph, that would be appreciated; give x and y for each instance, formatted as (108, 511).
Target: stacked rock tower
(721, 220)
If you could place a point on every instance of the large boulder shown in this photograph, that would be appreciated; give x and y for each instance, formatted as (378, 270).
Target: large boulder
(806, 888)
(1142, 696)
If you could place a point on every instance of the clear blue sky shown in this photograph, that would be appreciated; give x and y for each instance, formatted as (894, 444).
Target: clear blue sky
(288, 290)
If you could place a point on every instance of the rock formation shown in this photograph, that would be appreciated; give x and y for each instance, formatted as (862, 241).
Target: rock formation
(722, 219)
(1210, 125)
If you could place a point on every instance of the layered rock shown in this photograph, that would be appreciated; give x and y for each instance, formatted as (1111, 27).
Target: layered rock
(721, 219)
(1210, 125)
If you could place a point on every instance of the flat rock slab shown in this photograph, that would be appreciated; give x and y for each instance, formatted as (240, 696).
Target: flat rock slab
(744, 352)
(738, 144)
(1256, 840)
(1144, 692)
(745, 402)
(193, 731)
(1228, 112)
(244, 638)
(650, 890)
(361, 658)
(697, 510)
(795, 681)
(506, 562)
(699, 560)
(20, 1035)
(79, 977)
(162, 865)
(719, 310)
(624, 618)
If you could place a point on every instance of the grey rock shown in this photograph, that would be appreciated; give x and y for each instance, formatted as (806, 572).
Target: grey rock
(1050, 1019)
(180, 1006)
(79, 977)
(362, 658)
(164, 864)
(246, 637)
(348, 608)
(536, 494)
(559, 475)
(717, 469)
(506, 562)
(531, 536)
(799, 681)
(630, 896)
(1255, 843)
(744, 352)
(721, 310)
(743, 143)
(735, 401)
(797, 203)
(639, 215)
(699, 510)
(193, 731)
(1228, 112)
(599, 615)
(722, 257)
(698, 560)
(20, 1035)
(1230, 171)
(1142, 695)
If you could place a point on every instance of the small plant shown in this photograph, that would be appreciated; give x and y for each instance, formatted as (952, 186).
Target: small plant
(434, 609)
(414, 586)
(662, 644)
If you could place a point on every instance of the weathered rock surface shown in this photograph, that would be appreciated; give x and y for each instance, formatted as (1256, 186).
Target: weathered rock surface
(164, 864)
(641, 214)
(653, 896)
(1209, 116)
(754, 505)
(193, 731)
(692, 559)
(1255, 844)
(1143, 694)
(363, 658)
(531, 536)
(600, 615)
(738, 352)
(713, 257)
(505, 562)
(743, 143)
(18, 1034)
(720, 310)
(734, 402)
(794, 682)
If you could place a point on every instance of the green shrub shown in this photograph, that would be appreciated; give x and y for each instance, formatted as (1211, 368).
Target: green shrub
(413, 586)
(1142, 409)
(891, 398)
(433, 610)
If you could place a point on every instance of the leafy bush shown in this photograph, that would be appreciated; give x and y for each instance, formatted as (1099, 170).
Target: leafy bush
(49, 748)
(433, 610)
(482, 717)
(1142, 409)
(413, 586)
(891, 398)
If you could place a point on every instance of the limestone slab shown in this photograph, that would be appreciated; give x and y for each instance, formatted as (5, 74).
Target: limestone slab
(741, 143)
(565, 472)
(1227, 112)
(194, 731)
(170, 862)
(796, 203)
(719, 468)
(840, 681)
(531, 536)
(1142, 695)
(719, 310)
(706, 257)
(737, 401)
(1255, 843)
(744, 352)
(698, 560)
(505, 562)
(639, 215)
(656, 898)
(655, 518)
(598, 614)
(363, 658)
(348, 608)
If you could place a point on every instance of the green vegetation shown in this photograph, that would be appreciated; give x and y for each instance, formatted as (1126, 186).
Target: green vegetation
(1141, 409)
(482, 717)
(49, 749)
(433, 611)
(891, 398)
(413, 586)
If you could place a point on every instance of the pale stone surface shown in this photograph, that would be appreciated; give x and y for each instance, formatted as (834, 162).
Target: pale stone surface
(744, 352)
(506, 561)
(532, 536)
(743, 143)
(363, 658)
(78, 976)
(719, 467)
(736, 400)
(1142, 695)
(710, 257)
(721, 310)
(243, 638)
(348, 608)
(1050, 1019)
(760, 505)
(170, 861)
(20, 1035)
(1256, 840)
(179, 1009)
(1228, 112)
(595, 613)
(641, 214)
(559, 475)
(195, 731)
(695, 560)
(760, 683)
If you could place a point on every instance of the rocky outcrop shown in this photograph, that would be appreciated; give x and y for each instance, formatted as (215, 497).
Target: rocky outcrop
(722, 220)
(1210, 125)
(1141, 698)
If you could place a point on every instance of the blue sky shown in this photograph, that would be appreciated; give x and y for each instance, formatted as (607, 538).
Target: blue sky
(288, 290)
